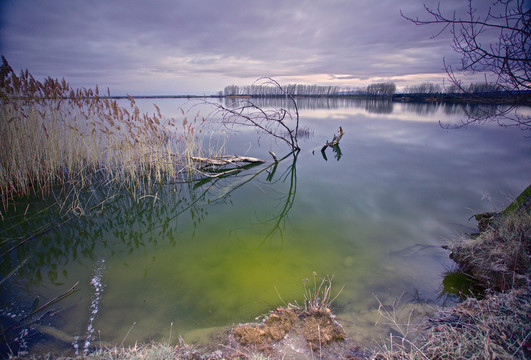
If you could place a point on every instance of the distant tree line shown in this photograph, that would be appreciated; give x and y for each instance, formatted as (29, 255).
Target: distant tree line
(381, 89)
(424, 88)
(291, 89)
(376, 90)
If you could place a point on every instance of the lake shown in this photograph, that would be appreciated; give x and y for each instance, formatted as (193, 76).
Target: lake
(198, 257)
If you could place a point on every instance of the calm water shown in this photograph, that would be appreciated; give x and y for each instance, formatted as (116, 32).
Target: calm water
(205, 256)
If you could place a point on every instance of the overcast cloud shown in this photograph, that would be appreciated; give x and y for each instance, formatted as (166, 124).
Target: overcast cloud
(198, 47)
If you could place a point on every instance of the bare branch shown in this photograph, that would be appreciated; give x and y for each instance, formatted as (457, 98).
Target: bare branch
(244, 112)
(496, 43)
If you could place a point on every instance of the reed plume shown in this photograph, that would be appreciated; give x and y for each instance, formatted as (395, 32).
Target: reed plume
(56, 137)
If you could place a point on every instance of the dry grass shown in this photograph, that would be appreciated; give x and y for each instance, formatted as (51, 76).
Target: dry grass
(55, 136)
(496, 327)
(319, 297)
(159, 351)
(145, 352)
(153, 351)
(498, 258)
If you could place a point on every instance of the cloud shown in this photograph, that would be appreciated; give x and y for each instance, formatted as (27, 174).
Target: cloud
(123, 44)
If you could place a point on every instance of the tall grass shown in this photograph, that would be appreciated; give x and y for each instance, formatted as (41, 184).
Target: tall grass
(54, 136)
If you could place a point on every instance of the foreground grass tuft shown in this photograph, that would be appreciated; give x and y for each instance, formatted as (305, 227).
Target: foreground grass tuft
(158, 351)
(496, 327)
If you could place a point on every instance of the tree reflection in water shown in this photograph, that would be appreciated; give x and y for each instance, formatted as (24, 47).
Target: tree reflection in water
(279, 220)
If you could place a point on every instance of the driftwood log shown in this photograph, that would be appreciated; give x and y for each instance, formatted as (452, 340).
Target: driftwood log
(227, 160)
(221, 166)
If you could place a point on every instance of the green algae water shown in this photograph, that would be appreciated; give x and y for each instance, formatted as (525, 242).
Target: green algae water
(202, 256)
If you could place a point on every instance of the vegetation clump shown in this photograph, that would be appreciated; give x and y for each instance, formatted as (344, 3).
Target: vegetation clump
(499, 257)
(78, 150)
(495, 327)
(274, 328)
(317, 328)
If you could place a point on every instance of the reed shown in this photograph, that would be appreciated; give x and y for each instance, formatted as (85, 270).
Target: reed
(55, 137)
(319, 298)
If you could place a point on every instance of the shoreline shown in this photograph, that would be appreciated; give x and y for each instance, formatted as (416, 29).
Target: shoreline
(399, 98)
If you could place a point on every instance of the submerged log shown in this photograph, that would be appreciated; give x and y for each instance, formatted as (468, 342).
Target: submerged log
(335, 140)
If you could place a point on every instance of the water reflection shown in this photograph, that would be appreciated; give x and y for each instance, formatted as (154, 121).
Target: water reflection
(330, 103)
(374, 106)
(378, 106)
(122, 225)
(337, 152)
(125, 225)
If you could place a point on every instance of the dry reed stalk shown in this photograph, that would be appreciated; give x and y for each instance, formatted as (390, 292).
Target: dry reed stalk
(55, 136)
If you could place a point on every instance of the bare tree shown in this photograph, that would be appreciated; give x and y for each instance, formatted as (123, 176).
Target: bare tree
(281, 124)
(495, 42)
(424, 88)
(381, 89)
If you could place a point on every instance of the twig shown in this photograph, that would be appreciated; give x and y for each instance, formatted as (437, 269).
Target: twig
(274, 156)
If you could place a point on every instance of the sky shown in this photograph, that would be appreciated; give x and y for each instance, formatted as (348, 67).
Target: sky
(198, 47)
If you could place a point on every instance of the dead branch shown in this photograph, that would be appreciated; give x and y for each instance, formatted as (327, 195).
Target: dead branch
(335, 140)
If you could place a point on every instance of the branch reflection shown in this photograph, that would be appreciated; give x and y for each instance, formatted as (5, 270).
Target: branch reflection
(279, 221)
(125, 224)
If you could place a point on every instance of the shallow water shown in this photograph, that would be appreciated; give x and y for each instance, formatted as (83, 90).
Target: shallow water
(232, 249)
